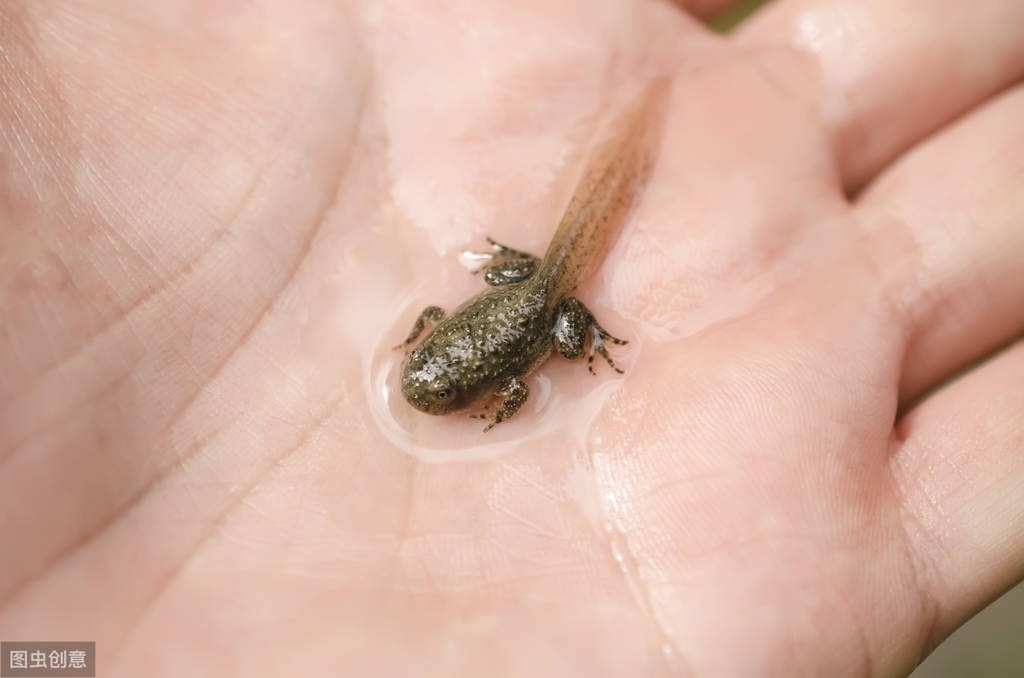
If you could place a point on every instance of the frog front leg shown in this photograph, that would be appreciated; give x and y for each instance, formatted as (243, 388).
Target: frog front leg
(574, 325)
(431, 314)
(513, 392)
(502, 265)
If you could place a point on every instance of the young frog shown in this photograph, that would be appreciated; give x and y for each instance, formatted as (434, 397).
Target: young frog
(484, 349)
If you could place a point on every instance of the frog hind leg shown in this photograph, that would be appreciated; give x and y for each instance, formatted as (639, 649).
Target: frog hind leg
(575, 328)
(503, 265)
(514, 393)
(429, 315)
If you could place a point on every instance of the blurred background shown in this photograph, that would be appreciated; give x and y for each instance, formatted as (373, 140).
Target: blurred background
(992, 643)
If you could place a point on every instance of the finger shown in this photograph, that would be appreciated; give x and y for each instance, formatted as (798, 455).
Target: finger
(886, 74)
(960, 472)
(950, 217)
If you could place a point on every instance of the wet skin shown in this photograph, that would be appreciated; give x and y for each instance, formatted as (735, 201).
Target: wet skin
(485, 347)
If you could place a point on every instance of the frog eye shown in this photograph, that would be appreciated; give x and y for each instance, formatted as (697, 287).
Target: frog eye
(443, 394)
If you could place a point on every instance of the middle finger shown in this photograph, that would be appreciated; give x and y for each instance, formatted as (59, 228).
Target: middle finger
(886, 74)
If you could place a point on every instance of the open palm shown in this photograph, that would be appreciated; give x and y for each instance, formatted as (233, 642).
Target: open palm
(216, 218)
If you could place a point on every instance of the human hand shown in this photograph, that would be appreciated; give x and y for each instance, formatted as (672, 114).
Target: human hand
(216, 217)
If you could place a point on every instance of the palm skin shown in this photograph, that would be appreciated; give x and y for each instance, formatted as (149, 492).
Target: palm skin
(217, 219)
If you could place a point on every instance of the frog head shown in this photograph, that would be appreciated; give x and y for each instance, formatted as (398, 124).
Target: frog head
(428, 384)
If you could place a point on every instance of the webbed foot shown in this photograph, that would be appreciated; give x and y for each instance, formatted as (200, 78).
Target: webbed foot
(502, 265)
(576, 328)
(429, 315)
(514, 394)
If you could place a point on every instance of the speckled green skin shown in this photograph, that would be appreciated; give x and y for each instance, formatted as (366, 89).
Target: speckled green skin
(502, 333)
(485, 348)
(488, 345)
